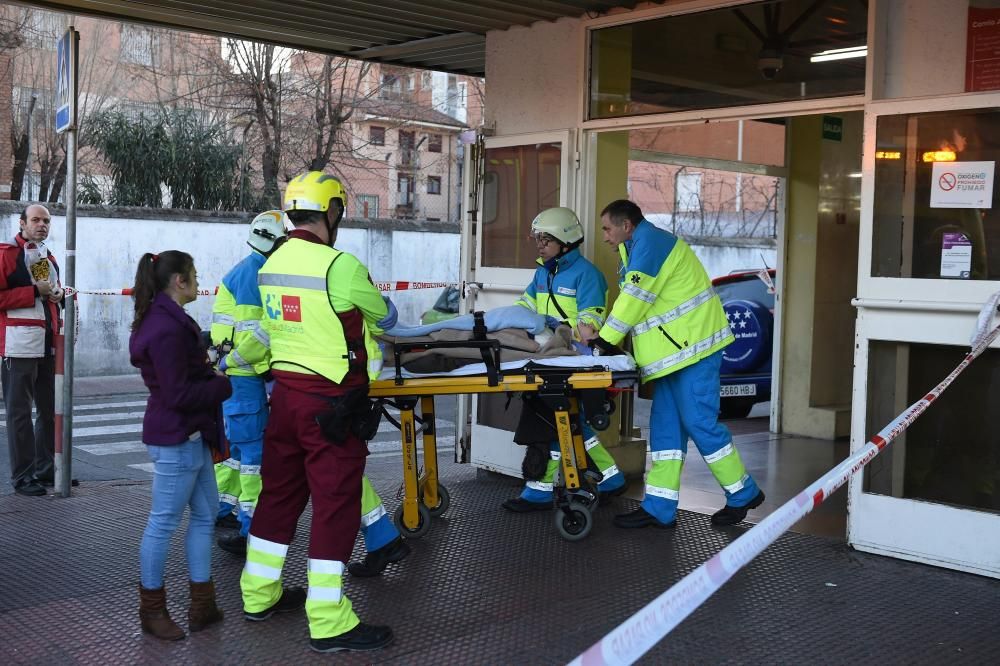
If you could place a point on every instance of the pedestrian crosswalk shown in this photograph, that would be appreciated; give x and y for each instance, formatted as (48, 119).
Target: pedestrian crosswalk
(107, 433)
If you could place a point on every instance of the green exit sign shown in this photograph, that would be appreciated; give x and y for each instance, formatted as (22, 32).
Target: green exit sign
(833, 128)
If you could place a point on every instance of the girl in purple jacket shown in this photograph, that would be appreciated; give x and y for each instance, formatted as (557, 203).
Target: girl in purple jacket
(180, 429)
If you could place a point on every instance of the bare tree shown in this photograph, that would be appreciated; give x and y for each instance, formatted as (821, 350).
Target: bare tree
(331, 91)
(255, 77)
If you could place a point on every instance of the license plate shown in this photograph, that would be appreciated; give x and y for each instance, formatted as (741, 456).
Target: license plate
(737, 390)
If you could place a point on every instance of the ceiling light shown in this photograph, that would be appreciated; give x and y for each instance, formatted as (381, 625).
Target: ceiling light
(939, 156)
(840, 54)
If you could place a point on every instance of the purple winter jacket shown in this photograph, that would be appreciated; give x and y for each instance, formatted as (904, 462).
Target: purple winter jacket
(184, 392)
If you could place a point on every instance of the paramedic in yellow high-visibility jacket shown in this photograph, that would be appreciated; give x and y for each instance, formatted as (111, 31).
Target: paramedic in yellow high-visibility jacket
(678, 330)
(235, 319)
(566, 289)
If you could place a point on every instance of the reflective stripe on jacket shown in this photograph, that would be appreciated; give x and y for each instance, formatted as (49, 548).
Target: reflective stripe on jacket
(302, 285)
(236, 316)
(576, 285)
(667, 303)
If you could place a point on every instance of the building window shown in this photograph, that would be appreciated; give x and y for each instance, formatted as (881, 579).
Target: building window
(377, 136)
(397, 86)
(404, 192)
(759, 53)
(434, 143)
(433, 185)
(426, 80)
(933, 217)
(138, 45)
(407, 140)
(367, 205)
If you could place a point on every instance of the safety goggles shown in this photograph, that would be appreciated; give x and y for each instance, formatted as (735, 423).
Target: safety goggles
(542, 240)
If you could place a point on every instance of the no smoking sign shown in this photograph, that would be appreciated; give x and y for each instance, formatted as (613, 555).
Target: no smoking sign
(962, 185)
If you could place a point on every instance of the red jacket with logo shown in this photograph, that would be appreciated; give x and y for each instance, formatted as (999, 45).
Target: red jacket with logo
(28, 322)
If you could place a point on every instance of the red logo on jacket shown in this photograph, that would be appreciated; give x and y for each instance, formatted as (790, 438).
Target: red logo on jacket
(291, 308)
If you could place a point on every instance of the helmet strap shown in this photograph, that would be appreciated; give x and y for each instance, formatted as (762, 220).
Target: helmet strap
(331, 229)
(569, 247)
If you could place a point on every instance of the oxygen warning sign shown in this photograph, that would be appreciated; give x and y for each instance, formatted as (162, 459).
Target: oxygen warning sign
(962, 185)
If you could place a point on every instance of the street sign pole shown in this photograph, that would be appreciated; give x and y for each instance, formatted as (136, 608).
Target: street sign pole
(66, 101)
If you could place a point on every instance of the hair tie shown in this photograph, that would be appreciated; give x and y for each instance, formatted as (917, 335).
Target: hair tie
(155, 257)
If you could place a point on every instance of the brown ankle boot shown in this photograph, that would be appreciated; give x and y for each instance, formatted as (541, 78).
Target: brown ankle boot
(203, 610)
(154, 616)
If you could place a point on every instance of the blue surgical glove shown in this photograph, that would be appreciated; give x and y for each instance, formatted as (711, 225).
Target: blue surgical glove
(222, 363)
(582, 349)
(552, 322)
(390, 318)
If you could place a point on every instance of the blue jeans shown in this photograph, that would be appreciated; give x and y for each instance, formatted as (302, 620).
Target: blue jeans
(183, 476)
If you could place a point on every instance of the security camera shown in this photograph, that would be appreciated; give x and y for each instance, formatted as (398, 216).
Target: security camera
(770, 63)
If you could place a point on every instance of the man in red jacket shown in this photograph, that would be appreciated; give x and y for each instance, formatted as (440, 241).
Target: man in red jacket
(30, 301)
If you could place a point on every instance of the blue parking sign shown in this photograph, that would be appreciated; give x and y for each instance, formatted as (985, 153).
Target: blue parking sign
(66, 53)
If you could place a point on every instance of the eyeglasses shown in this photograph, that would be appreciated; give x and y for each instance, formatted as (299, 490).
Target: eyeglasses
(542, 240)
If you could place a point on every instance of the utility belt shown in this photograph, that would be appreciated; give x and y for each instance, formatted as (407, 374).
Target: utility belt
(353, 413)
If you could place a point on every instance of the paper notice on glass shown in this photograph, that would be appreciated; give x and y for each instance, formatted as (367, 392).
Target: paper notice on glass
(962, 185)
(956, 256)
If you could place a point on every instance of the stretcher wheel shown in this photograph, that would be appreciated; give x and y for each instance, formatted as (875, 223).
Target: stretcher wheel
(444, 501)
(423, 522)
(600, 421)
(574, 521)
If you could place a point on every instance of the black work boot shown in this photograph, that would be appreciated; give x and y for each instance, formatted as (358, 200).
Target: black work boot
(361, 638)
(228, 522)
(521, 505)
(292, 598)
(233, 543)
(640, 518)
(730, 515)
(376, 561)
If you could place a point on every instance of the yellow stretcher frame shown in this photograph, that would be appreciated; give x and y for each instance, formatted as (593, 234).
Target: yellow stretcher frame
(425, 498)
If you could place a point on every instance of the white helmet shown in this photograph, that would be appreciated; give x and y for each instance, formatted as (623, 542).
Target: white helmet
(265, 230)
(560, 223)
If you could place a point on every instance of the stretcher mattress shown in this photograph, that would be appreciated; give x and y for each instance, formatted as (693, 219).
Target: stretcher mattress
(612, 363)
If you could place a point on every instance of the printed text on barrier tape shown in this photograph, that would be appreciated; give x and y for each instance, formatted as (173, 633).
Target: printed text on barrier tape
(381, 286)
(637, 635)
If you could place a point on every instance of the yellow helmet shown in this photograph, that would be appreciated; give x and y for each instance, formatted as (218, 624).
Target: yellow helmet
(313, 191)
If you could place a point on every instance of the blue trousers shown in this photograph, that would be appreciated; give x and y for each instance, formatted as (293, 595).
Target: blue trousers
(245, 414)
(542, 490)
(183, 476)
(686, 405)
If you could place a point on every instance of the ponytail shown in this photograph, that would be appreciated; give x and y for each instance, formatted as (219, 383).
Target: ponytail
(153, 275)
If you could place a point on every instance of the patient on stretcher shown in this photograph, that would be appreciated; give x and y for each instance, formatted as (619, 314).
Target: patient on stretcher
(522, 335)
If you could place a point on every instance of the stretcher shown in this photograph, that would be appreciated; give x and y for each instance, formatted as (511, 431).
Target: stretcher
(563, 383)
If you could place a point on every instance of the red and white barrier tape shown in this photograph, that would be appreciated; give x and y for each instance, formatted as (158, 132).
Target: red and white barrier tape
(381, 286)
(633, 638)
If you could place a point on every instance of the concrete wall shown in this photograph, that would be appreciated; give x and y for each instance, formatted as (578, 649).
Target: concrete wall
(108, 248)
(535, 77)
(925, 54)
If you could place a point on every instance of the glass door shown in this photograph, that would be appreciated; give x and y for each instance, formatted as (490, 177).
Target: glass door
(931, 214)
(522, 176)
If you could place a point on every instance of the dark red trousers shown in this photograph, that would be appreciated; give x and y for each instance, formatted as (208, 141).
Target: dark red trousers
(298, 462)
